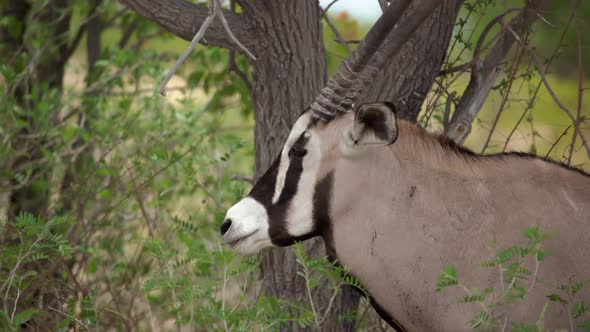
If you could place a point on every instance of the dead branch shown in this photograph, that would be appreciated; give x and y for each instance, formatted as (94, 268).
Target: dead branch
(233, 67)
(183, 18)
(214, 11)
(484, 73)
(334, 30)
(185, 54)
(511, 79)
(127, 33)
(539, 66)
(449, 103)
(78, 36)
(248, 179)
(580, 93)
(557, 141)
(547, 67)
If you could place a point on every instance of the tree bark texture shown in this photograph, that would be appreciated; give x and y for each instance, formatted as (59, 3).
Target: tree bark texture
(290, 71)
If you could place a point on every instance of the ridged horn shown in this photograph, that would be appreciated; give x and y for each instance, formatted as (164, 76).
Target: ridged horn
(382, 42)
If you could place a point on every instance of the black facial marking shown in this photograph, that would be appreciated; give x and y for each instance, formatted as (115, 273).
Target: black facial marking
(263, 192)
(322, 197)
(264, 188)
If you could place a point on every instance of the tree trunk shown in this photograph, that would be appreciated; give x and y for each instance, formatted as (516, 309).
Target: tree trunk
(287, 76)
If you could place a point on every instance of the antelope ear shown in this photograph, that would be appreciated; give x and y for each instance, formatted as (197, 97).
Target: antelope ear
(374, 124)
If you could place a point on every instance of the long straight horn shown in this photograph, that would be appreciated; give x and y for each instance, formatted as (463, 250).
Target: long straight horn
(382, 42)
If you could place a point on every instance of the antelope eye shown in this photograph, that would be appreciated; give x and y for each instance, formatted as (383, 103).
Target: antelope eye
(298, 151)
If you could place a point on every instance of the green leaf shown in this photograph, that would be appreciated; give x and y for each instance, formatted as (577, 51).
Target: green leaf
(585, 326)
(579, 309)
(532, 233)
(541, 254)
(447, 278)
(23, 316)
(556, 298)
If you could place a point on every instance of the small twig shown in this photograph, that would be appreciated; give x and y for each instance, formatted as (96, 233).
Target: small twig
(244, 178)
(127, 33)
(184, 55)
(580, 94)
(233, 66)
(547, 67)
(335, 31)
(214, 10)
(505, 98)
(330, 5)
(459, 68)
(331, 302)
(447, 114)
(557, 141)
(539, 66)
(231, 35)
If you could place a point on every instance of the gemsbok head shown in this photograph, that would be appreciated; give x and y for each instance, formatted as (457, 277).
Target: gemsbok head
(395, 204)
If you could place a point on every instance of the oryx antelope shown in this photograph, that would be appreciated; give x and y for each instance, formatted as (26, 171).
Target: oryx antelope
(396, 204)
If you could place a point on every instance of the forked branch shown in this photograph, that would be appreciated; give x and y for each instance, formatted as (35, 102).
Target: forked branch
(484, 72)
(214, 11)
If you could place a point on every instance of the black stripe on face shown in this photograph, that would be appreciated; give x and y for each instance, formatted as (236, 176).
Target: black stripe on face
(263, 192)
(296, 155)
(322, 198)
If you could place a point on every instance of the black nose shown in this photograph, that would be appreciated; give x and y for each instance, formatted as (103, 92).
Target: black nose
(225, 226)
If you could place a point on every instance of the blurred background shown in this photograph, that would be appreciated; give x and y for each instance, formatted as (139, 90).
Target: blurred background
(111, 195)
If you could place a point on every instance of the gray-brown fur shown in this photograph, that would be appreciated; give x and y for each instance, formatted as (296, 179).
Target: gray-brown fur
(402, 212)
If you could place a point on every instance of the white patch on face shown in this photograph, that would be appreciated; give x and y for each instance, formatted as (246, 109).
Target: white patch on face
(248, 233)
(300, 214)
(298, 128)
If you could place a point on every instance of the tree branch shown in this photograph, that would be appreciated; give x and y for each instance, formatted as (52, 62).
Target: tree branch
(335, 31)
(484, 73)
(539, 66)
(183, 19)
(215, 11)
(580, 94)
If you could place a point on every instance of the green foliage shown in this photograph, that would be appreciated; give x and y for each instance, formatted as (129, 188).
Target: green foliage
(447, 278)
(516, 282)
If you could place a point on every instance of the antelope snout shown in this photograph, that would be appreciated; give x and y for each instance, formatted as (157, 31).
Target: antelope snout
(245, 227)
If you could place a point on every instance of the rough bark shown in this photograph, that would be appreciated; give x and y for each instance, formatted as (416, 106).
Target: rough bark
(183, 19)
